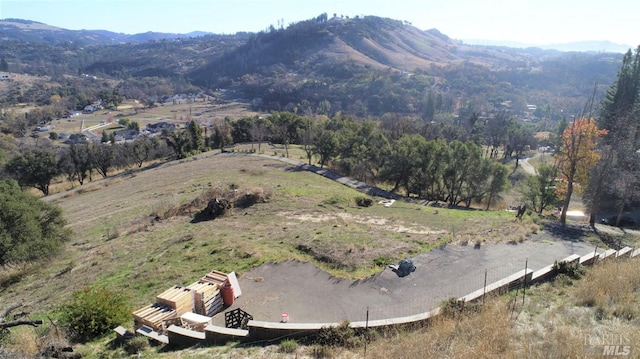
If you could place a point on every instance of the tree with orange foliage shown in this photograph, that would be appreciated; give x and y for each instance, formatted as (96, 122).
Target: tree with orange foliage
(575, 158)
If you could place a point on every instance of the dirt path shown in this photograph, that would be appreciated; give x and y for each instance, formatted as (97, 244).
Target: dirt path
(527, 167)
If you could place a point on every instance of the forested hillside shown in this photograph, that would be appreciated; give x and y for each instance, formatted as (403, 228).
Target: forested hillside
(362, 66)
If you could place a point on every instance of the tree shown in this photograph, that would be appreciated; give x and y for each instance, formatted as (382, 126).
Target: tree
(221, 135)
(427, 179)
(179, 142)
(75, 162)
(620, 117)
(498, 183)
(310, 128)
(520, 139)
(625, 185)
(4, 66)
(139, 150)
(286, 127)
(325, 145)
(102, 158)
(404, 161)
(105, 137)
(541, 188)
(241, 130)
(195, 135)
(575, 158)
(35, 168)
(260, 130)
(464, 157)
(30, 229)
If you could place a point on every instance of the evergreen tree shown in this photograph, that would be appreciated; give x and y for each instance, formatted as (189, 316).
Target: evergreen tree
(620, 117)
(4, 66)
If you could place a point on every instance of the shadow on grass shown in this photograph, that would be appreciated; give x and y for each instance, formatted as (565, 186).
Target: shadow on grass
(203, 216)
(567, 232)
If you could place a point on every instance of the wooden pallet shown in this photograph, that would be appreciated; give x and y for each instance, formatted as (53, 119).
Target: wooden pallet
(204, 292)
(179, 298)
(214, 305)
(214, 277)
(153, 316)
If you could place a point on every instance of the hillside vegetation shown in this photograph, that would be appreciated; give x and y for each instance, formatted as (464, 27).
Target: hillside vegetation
(363, 66)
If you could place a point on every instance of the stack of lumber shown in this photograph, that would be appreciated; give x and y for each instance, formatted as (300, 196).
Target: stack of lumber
(213, 305)
(179, 298)
(205, 295)
(153, 316)
(214, 277)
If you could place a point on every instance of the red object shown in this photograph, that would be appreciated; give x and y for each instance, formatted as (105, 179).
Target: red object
(227, 294)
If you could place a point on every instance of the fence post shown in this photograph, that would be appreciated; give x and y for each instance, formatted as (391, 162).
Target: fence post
(484, 288)
(524, 281)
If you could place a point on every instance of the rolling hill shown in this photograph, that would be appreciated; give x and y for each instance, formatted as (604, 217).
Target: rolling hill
(362, 66)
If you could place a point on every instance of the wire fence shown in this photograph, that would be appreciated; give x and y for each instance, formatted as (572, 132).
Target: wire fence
(411, 300)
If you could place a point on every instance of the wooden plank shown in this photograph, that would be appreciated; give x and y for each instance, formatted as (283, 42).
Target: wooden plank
(234, 284)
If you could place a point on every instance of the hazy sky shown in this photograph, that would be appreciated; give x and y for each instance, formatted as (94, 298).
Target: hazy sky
(526, 21)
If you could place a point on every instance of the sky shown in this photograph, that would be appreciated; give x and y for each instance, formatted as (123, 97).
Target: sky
(536, 22)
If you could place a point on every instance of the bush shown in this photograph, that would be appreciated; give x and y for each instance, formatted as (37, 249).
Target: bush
(571, 270)
(364, 202)
(321, 351)
(93, 312)
(382, 261)
(35, 229)
(342, 335)
(288, 346)
(136, 344)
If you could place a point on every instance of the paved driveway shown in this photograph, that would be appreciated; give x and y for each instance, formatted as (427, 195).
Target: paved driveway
(308, 294)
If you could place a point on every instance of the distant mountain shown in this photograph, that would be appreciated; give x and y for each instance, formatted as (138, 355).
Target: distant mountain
(373, 65)
(579, 46)
(362, 65)
(36, 32)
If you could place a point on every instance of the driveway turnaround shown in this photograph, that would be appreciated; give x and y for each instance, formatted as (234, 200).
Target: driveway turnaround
(307, 294)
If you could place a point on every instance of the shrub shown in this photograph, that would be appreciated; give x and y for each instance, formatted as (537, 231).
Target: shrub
(322, 351)
(136, 344)
(625, 311)
(572, 270)
(364, 202)
(382, 261)
(341, 335)
(288, 346)
(93, 312)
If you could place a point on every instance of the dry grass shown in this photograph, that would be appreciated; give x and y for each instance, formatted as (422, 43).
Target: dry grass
(553, 323)
(613, 290)
(482, 334)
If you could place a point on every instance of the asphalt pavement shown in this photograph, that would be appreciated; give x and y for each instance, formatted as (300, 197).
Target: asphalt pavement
(308, 294)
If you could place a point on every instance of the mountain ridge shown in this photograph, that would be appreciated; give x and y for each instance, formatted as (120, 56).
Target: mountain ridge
(364, 65)
(113, 37)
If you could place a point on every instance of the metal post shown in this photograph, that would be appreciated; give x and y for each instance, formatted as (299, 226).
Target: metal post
(366, 326)
(595, 255)
(524, 282)
(366, 339)
(484, 288)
